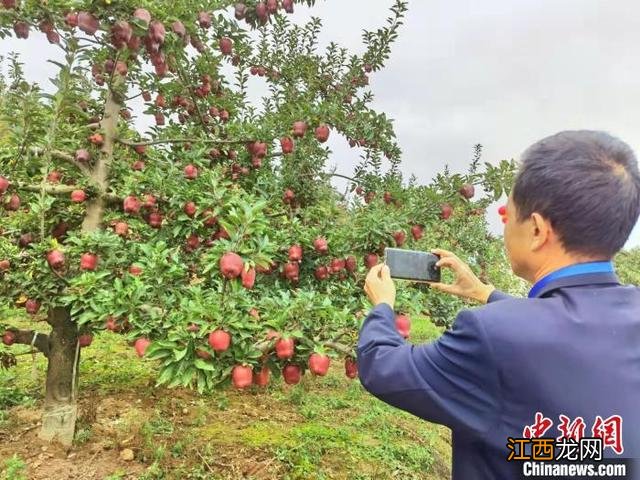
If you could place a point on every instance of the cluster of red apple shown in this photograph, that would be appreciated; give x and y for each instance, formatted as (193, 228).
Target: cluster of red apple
(502, 211)
(263, 9)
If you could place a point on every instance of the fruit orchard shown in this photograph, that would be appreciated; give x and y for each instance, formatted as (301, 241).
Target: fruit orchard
(215, 242)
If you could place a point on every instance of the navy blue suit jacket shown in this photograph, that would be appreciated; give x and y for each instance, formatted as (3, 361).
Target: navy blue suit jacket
(573, 349)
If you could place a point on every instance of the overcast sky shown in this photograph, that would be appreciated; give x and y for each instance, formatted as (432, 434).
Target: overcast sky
(502, 73)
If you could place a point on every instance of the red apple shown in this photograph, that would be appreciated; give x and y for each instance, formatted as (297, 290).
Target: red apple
(321, 246)
(193, 242)
(121, 33)
(350, 263)
(203, 354)
(32, 306)
(272, 6)
(370, 260)
(14, 203)
(141, 346)
(291, 271)
(78, 196)
(445, 211)
(53, 37)
(96, 139)
(285, 348)
(399, 237)
(261, 378)
(131, 204)
(299, 129)
(4, 184)
(337, 265)
(179, 29)
(219, 340)
(190, 172)
(289, 196)
(291, 374)
(138, 166)
(55, 259)
(21, 29)
(8, 338)
(121, 229)
(135, 270)
(261, 12)
(226, 46)
(322, 133)
(319, 364)
(190, 209)
(240, 11)
(403, 324)
(25, 239)
(387, 197)
(71, 19)
(88, 261)
(87, 23)
(242, 376)
(204, 20)
(321, 273)
(287, 5)
(417, 232)
(295, 253)
(142, 15)
(85, 340)
(350, 368)
(287, 145)
(5, 265)
(156, 32)
(467, 191)
(248, 278)
(155, 220)
(231, 265)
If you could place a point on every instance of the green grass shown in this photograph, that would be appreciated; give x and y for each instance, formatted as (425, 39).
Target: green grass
(327, 427)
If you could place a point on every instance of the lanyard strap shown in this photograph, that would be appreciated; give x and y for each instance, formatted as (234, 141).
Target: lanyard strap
(570, 271)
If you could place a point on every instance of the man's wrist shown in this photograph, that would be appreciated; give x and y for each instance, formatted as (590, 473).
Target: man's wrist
(387, 303)
(483, 293)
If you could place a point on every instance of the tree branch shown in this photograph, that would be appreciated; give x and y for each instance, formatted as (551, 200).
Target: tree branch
(342, 176)
(50, 189)
(178, 140)
(25, 337)
(65, 157)
(340, 348)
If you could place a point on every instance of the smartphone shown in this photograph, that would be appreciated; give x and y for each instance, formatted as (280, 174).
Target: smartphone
(412, 265)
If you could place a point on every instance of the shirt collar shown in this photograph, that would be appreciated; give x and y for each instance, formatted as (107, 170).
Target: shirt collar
(576, 274)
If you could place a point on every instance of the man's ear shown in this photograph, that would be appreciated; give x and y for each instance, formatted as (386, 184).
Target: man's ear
(541, 231)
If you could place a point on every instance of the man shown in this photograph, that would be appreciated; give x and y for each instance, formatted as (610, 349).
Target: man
(570, 351)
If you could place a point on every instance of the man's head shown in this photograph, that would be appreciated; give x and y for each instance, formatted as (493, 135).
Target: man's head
(576, 198)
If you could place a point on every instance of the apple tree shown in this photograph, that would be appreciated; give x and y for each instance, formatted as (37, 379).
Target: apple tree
(214, 240)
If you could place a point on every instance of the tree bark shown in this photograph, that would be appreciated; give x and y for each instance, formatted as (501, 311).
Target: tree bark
(100, 174)
(60, 407)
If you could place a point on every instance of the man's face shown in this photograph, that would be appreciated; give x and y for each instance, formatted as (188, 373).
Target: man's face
(517, 242)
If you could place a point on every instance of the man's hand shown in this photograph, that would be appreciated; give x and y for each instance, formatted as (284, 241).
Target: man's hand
(379, 287)
(466, 284)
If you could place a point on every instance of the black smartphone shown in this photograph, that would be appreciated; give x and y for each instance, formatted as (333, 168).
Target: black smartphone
(412, 265)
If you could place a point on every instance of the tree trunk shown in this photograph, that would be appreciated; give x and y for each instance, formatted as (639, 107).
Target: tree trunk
(60, 408)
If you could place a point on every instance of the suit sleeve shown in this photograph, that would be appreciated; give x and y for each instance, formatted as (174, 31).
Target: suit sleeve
(452, 381)
(498, 295)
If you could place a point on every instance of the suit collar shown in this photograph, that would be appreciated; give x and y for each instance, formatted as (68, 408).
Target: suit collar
(575, 275)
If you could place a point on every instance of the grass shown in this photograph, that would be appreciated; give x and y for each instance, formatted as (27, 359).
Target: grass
(323, 428)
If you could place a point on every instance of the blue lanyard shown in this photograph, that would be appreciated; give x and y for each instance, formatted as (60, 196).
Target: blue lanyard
(571, 270)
